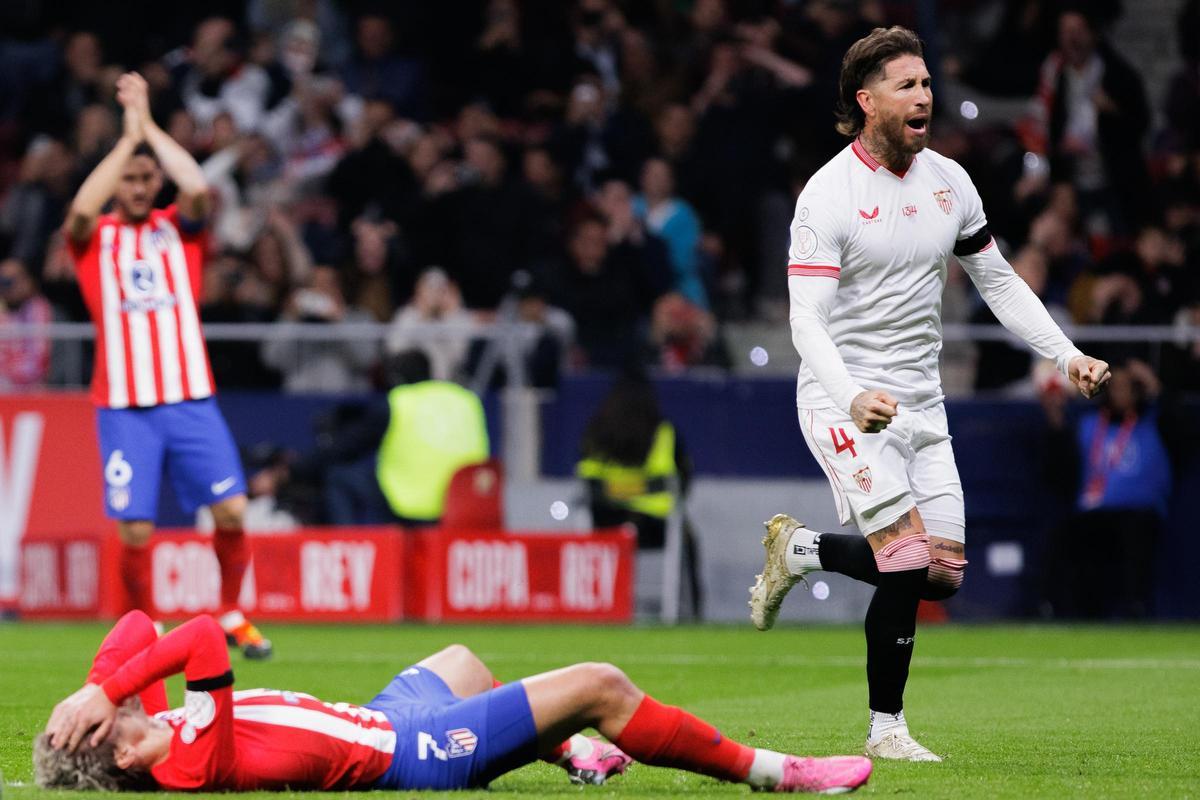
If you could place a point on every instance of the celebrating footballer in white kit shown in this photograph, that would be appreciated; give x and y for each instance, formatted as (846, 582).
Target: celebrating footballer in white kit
(872, 233)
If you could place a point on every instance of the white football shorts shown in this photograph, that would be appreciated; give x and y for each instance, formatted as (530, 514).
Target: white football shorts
(876, 477)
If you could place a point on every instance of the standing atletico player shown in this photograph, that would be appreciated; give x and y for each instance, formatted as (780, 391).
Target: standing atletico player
(139, 270)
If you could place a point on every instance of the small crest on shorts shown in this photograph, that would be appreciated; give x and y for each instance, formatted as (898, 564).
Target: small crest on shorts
(118, 498)
(944, 200)
(460, 742)
(863, 479)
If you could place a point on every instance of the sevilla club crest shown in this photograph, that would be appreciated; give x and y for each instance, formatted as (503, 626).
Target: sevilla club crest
(944, 200)
(863, 479)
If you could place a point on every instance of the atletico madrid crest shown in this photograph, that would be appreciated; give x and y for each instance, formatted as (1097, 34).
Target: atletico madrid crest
(944, 200)
(863, 479)
(460, 742)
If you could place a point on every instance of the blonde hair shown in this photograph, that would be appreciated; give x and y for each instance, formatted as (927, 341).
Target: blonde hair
(88, 768)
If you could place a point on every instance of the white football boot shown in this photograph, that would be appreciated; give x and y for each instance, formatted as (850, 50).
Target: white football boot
(899, 746)
(769, 589)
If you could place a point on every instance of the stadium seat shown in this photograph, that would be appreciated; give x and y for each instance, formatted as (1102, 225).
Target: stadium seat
(474, 498)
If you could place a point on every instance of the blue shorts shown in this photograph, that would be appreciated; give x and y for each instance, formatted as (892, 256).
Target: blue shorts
(188, 440)
(446, 742)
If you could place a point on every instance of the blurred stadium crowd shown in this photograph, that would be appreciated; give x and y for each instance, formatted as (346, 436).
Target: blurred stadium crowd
(619, 174)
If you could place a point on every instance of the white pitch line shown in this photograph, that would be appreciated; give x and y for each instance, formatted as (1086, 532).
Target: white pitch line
(684, 659)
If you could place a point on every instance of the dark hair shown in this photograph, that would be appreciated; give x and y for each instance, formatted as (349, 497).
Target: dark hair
(1098, 15)
(623, 428)
(408, 366)
(865, 61)
(144, 149)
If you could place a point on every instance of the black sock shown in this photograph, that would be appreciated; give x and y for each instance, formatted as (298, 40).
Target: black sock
(849, 554)
(891, 626)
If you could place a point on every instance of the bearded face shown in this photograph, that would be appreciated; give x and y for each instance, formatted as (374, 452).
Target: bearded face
(898, 106)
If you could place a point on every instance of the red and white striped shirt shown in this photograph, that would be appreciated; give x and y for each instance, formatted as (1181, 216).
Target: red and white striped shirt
(251, 740)
(141, 282)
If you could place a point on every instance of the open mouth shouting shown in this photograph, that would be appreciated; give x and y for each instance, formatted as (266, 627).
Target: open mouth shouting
(918, 123)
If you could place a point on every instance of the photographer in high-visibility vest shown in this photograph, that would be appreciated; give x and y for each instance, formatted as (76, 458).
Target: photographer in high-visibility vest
(434, 429)
(636, 470)
(395, 461)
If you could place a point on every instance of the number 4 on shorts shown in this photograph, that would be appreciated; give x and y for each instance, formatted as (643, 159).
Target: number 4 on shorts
(845, 444)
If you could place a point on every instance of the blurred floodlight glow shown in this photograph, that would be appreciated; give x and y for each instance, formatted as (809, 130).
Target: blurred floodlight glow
(1031, 161)
(559, 510)
(968, 109)
(759, 356)
(820, 590)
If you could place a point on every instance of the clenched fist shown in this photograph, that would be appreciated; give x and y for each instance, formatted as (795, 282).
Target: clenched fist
(872, 410)
(1089, 374)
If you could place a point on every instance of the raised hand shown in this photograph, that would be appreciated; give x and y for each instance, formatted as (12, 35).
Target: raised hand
(133, 93)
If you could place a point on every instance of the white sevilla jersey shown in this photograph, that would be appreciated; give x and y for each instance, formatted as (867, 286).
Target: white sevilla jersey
(885, 239)
(140, 282)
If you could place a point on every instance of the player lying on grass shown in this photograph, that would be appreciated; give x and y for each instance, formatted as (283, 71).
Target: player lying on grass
(443, 723)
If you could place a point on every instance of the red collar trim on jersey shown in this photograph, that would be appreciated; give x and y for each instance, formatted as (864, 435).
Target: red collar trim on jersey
(874, 165)
(863, 155)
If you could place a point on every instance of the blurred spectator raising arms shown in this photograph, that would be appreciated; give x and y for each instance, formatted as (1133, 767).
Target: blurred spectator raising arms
(434, 323)
(1116, 461)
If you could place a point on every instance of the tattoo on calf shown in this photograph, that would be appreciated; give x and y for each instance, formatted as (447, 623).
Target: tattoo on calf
(957, 549)
(897, 526)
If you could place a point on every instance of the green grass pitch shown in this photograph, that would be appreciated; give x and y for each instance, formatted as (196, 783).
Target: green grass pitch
(1019, 711)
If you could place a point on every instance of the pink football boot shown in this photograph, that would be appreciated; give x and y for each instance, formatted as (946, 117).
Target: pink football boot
(596, 767)
(833, 775)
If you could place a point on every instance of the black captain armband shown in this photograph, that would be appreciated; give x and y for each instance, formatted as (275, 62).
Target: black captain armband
(973, 243)
(211, 684)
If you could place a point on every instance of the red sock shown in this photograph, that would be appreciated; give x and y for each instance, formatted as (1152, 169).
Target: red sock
(666, 736)
(135, 574)
(233, 555)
